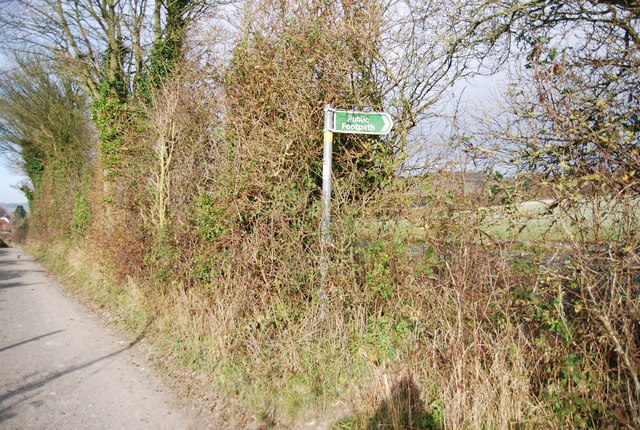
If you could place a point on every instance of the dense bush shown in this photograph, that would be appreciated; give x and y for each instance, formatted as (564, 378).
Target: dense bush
(194, 215)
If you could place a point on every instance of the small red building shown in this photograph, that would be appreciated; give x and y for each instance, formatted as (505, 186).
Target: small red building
(5, 224)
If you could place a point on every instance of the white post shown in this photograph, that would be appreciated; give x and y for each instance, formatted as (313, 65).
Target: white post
(326, 174)
(325, 238)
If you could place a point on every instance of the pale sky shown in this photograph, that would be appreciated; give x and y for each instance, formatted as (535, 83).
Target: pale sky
(8, 177)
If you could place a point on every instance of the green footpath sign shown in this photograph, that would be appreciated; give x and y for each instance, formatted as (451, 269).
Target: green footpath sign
(345, 121)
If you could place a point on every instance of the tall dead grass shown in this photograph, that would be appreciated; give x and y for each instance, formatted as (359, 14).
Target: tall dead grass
(213, 242)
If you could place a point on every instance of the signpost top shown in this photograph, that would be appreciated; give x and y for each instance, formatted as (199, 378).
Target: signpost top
(346, 121)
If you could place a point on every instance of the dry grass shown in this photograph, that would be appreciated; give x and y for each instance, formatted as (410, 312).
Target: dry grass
(212, 247)
(463, 333)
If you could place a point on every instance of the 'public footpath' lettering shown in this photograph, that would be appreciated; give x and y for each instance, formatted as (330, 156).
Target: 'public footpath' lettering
(362, 122)
(358, 123)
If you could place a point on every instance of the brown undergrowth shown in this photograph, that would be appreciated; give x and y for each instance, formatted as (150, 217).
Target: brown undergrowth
(454, 334)
(207, 241)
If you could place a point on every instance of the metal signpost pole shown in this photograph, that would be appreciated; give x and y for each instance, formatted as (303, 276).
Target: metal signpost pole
(326, 173)
(325, 238)
(341, 121)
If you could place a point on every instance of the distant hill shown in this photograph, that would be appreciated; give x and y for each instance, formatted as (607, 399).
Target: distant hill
(11, 207)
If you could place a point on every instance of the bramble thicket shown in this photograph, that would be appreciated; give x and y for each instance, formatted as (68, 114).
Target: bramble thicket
(484, 261)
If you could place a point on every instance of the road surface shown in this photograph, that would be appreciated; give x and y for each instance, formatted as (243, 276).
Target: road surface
(60, 368)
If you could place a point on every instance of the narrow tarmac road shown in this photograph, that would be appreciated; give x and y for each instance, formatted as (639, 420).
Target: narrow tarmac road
(61, 369)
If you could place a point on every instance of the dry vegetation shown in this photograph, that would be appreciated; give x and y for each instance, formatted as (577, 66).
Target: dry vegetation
(196, 220)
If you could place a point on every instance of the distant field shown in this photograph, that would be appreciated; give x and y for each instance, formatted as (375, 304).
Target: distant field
(539, 220)
(550, 220)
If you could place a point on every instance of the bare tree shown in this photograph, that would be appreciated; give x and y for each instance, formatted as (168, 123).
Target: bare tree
(102, 40)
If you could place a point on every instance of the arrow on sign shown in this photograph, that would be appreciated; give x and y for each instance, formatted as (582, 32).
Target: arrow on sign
(345, 121)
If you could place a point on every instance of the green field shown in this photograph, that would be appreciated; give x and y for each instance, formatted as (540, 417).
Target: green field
(548, 220)
(531, 221)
